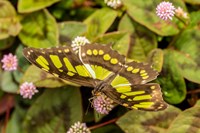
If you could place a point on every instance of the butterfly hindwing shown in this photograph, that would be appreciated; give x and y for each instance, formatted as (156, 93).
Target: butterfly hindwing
(141, 97)
(62, 62)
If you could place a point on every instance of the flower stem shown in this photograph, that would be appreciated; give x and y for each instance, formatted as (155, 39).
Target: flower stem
(103, 124)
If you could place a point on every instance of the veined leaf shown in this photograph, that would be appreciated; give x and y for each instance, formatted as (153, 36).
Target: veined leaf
(147, 122)
(25, 6)
(54, 111)
(99, 22)
(9, 23)
(41, 31)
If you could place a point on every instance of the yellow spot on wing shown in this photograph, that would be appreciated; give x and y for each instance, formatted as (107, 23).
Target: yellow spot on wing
(143, 97)
(129, 68)
(123, 89)
(59, 51)
(133, 93)
(113, 61)
(95, 52)
(134, 107)
(142, 71)
(101, 52)
(123, 96)
(145, 77)
(89, 52)
(152, 87)
(136, 70)
(70, 74)
(60, 70)
(143, 74)
(56, 61)
(106, 57)
(125, 104)
(142, 105)
(42, 62)
(66, 50)
(68, 65)
(130, 100)
(147, 103)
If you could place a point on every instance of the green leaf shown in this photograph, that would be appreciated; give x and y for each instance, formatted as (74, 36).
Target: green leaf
(147, 122)
(194, 19)
(14, 124)
(187, 121)
(188, 67)
(119, 40)
(39, 30)
(99, 22)
(143, 41)
(54, 111)
(9, 23)
(25, 6)
(171, 80)
(197, 103)
(155, 58)
(6, 43)
(126, 24)
(193, 2)
(70, 30)
(22, 64)
(145, 14)
(188, 45)
(41, 78)
(7, 83)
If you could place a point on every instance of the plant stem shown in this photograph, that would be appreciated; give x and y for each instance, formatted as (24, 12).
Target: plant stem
(194, 91)
(103, 124)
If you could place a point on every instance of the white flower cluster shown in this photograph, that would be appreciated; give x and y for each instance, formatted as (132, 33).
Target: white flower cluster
(113, 3)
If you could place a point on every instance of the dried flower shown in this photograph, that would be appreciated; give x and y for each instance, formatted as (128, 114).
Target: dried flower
(113, 3)
(79, 128)
(179, 12)
(10, 62)
(79, 41)
(165, 10)
(27, 90)
(103, 104)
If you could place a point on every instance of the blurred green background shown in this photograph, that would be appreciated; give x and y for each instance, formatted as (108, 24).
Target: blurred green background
(134, 30)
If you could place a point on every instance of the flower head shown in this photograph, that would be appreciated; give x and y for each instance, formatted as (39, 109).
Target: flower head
(102, 104)
(79, 41)
(113, 3)
(10, 62)
(79, 128)
(27, 90)
(165, 10)
(179, 12)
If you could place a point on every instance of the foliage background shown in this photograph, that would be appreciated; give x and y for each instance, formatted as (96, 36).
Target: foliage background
(172, 47)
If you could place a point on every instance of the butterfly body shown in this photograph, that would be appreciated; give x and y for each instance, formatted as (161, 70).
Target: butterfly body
(105, 70)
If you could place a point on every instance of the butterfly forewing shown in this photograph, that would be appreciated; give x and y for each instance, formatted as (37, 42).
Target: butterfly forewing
(62, 62)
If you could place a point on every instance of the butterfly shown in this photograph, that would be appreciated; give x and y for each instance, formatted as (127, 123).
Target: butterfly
(104, 69)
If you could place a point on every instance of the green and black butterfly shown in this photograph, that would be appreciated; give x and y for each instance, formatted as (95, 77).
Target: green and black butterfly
(104, 69)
